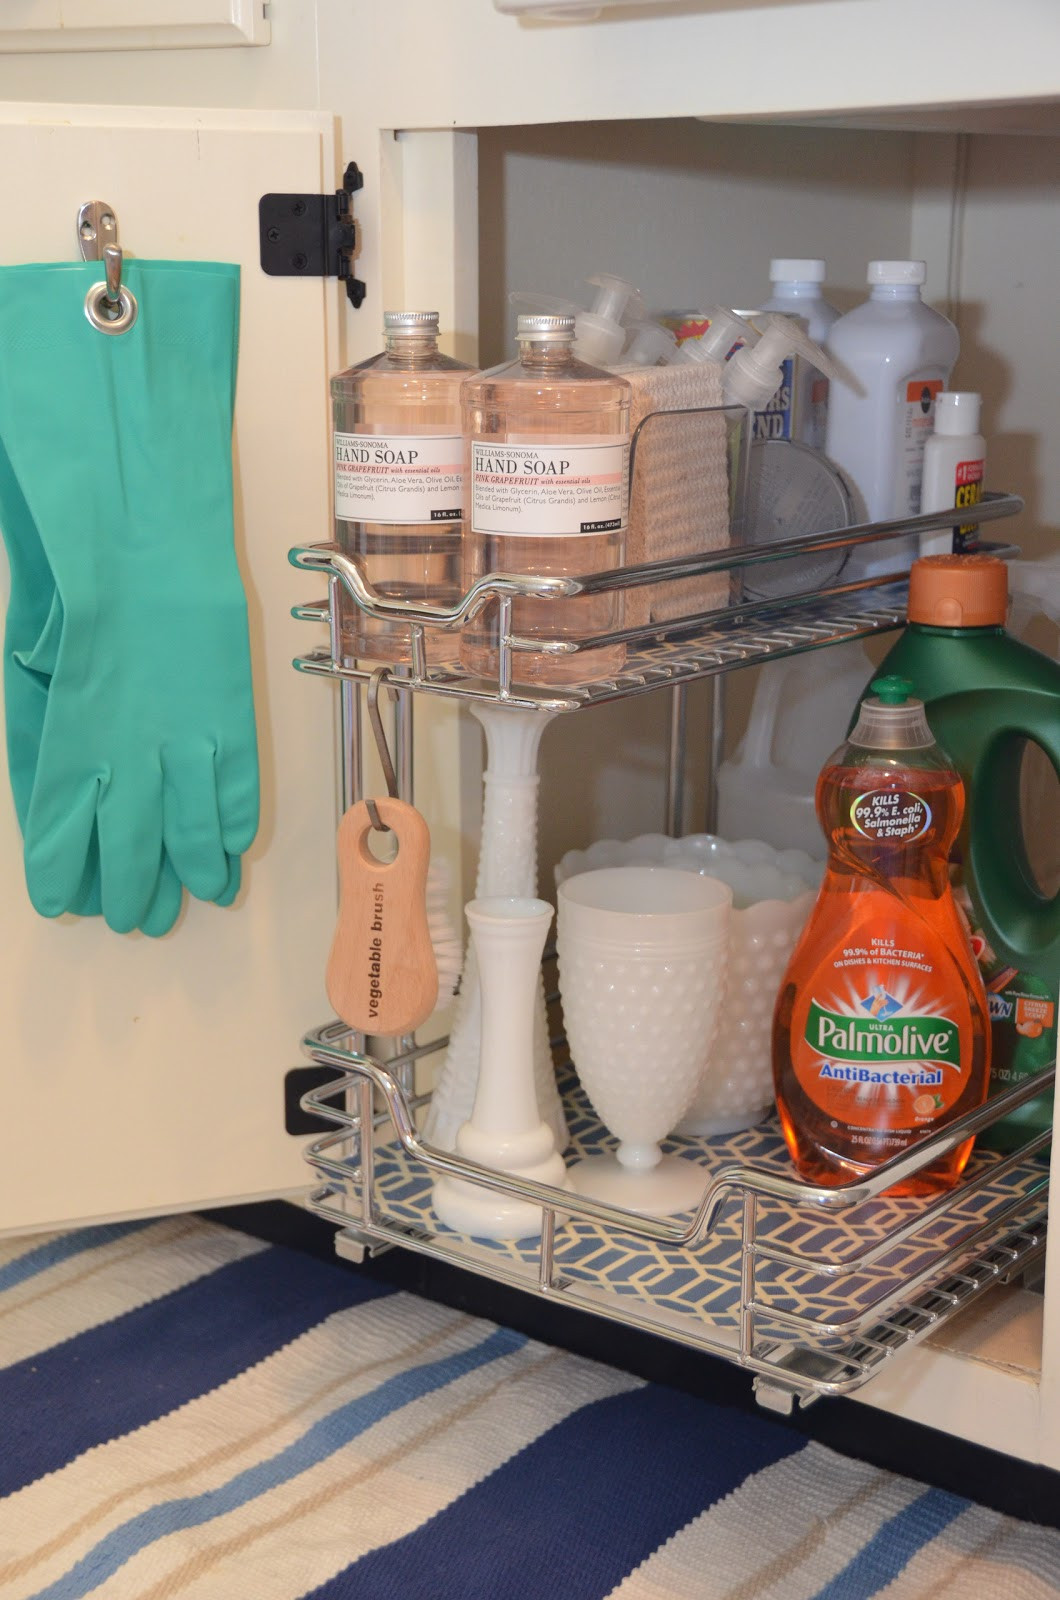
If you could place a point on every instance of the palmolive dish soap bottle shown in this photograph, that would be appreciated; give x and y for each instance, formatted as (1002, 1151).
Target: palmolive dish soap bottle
(881, 1034)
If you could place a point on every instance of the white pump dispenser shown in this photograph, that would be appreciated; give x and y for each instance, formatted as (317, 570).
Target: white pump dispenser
(754, 374)
(650, 345)
(599, 332)
(726, 334)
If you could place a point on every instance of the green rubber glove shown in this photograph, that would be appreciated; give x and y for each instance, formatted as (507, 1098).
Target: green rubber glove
(135, 686)
(31, 642)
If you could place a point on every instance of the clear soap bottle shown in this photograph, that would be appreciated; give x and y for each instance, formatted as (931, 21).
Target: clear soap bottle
(399, 482)
(547, 468)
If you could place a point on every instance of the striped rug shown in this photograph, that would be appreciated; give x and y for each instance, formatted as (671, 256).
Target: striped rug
(189, 1414)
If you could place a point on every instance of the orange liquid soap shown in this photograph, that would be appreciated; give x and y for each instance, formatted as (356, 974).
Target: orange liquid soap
(881, 1034)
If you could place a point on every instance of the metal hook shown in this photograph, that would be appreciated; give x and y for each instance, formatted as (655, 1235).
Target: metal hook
(97, 227)
(112, 264)
(109, 306)
(379, 676)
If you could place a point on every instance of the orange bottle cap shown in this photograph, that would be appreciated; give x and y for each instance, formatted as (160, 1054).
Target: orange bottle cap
(959, 591)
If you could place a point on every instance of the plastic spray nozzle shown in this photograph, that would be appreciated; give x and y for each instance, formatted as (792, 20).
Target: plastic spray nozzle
(892, 690)
(601, 334)
(650, 345)
(754, 374)
(726, 334)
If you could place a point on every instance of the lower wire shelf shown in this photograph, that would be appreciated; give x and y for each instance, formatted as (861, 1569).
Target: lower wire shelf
(811, 1289)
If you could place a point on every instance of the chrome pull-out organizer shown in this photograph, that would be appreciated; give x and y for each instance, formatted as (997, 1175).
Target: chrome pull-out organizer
(812, 1289)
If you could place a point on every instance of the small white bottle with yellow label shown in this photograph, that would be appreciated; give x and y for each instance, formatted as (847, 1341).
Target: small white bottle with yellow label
(954, 464)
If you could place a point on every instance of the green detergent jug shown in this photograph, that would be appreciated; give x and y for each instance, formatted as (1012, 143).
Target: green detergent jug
(986, 694)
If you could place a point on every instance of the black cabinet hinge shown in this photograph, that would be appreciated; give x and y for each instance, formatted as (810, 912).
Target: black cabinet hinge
(312, 235)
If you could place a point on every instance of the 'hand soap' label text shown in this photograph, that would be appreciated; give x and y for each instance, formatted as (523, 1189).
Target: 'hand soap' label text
(571, 490)
(397, 478)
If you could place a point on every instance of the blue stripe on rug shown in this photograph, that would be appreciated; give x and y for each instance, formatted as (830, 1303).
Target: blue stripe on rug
(64, 1247)
(892, 1548)
(579, 1508)
(115, 1377)
(321, 1440)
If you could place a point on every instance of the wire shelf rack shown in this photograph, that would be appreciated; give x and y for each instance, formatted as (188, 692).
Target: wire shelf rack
(671, 652)
(812, 1289)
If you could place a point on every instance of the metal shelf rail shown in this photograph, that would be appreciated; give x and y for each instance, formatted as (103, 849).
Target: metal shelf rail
(810, 1288)
(673, 652)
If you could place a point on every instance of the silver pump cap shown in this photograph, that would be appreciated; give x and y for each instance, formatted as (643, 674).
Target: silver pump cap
(892, 719)
(409, 323)
(540, 327)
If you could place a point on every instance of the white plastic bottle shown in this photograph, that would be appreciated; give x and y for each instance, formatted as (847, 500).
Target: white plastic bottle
(797, 292)
(954, 462)
(902, 353)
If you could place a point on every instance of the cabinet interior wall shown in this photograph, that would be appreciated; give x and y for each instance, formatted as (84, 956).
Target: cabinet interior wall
(692, 212)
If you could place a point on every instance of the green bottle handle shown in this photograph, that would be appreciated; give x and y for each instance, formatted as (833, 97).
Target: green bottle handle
(1011, 899)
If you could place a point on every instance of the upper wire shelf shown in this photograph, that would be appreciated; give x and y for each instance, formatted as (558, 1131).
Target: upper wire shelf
(673, 651)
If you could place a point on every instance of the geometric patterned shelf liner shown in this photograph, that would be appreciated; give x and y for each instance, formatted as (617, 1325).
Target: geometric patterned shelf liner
(704, 1283)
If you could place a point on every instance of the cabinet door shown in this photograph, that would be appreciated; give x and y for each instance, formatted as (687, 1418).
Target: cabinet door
(141, 1075)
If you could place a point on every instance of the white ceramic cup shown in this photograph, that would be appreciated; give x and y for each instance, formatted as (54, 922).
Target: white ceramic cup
(642, 962)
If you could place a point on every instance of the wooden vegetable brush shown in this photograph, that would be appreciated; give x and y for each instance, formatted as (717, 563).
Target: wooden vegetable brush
(394, 954)
(382, 976)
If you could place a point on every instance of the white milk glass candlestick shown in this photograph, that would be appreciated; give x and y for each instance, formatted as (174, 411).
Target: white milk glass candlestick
(507, 865)
(505, 1130)
(642, 961)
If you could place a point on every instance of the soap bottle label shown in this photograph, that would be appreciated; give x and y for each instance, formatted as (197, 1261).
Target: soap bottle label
(875, 1051)
(818, 420)
(916, 424)
(399, 478)
(553, 490)
(1022, 1007)
(775, 420)
(968, 491)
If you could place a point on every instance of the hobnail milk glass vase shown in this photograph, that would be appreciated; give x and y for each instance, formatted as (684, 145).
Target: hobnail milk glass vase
(505, 1130)
(507, 866)
(773, 893)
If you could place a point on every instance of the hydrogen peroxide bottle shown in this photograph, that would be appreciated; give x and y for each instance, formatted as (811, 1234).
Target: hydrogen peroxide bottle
(881, 1033)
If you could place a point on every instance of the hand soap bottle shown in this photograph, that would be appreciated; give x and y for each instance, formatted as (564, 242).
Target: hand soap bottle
(399, 482)
(881, 1034)
(547, 467)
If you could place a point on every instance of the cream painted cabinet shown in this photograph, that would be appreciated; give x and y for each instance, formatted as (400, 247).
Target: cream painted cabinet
(499, 154)
(142, 1075)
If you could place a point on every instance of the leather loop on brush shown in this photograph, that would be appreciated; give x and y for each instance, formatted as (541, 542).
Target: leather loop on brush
(382, 977)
